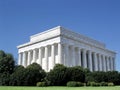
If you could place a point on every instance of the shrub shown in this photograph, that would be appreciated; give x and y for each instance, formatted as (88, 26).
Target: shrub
(34, 74)
(104, 84)
(100, 84)
(41, 84)
(93, 84)
(58, 76)
(99, 76)
(18, 77)
(113, 76)
(4, 79)
(110, 84)
(27, 76)
(96, 76)
(76, 74)
(97, 84)
(74, 84)
(48, 83)
(80, 83)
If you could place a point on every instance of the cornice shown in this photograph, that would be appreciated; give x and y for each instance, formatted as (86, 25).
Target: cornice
(60, 31)
(79, 37)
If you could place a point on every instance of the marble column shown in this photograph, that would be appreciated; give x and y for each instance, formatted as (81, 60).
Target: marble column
(24, 59)
(100, 62)
(34, 55)
(79, 57)
(29, 58)
(90, 60)
(20, 59)
(66, 55)
(108, 68)
(111, 64)
(104, 63)
(76, 56)
(84, 59)
(60, 53)
(46, 58)
(40, 56)
(53, 56)
(95, 61)
(73, 55)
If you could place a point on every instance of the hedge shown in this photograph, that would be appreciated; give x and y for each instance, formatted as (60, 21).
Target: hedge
(74, 84)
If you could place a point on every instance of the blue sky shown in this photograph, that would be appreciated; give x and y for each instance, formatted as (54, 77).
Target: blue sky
(98, 19)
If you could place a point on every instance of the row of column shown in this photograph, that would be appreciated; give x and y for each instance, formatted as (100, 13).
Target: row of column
(73, 56)
(46, 56)
(68, 55)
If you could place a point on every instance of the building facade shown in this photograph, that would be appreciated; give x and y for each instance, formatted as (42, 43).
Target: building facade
(59, 45)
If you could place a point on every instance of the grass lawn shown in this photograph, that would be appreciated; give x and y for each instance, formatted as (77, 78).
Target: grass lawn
(59, 88)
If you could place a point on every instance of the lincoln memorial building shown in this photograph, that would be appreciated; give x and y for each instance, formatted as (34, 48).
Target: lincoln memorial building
(60, 45)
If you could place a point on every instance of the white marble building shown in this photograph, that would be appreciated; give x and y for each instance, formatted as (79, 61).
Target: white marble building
(59, 45)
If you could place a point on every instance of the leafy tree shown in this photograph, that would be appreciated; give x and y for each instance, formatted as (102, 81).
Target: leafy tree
(2, 54)
(113, 76)
(4, 79)
(76, 73)
(97, 76)
(7, 63)
(35, 74)
(28, 76)
(58, 76)
(18, 77)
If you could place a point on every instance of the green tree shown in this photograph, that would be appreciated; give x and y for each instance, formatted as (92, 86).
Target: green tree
(28, 76)
(35, 74)
(4, 79)
(58, 76)
(76, 73)
(7, 63)
(2, 54)
(97, 76)
(113, 76)
(18, 77)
